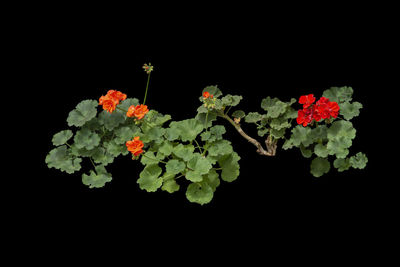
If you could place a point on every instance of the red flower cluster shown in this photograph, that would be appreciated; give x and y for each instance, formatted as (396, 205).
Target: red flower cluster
(111, 100)
(207, 95)
(322, 109)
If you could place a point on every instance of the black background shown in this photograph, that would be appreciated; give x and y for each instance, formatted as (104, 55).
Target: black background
(76, 59)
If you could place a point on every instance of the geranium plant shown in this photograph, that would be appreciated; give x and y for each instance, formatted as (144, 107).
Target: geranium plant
(195, 149)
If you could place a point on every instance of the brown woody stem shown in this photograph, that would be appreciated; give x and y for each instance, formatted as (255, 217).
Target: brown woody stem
(270, 144)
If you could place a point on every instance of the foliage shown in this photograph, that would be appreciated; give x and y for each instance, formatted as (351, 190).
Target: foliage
(192, 154)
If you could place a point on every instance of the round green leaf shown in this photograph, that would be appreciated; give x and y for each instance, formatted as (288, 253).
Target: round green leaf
(62, 137)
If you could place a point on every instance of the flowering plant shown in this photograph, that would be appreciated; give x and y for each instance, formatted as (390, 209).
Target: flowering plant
(195, 149)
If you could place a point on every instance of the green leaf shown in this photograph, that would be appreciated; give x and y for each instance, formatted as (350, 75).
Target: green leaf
(238, 114)
(101, 156)
(149, 178)
(215, 133)
(149, 158)
(212, 179)
(290, 113)
(125, 104)
(96, 179)
(92, 125)
(125, 133)
(252, 117)
(350, 110)
(199, 164)
(262, 131)
(307, 153)
(288, 144)
(115, 149)
(166, 148)
(175, 166)
(169, 183)
(278, 133)
(202, 109)
(193, 176)
(301, 135)
(321, 150)
(230, 166)
(188, 129)
(62, 137)
(268, 103)
(359, 161)
(200, 193)
(339, 146)
(279, 123)
(213, 90)
(205, 119)
(171, 134)
(84, 111)
(273, 106)
(61, 158)
(84, 138)
(152, 134)
(231, 100)
(320, 166)
(184, 152)
(339, 94)
(220, 147)
(319, 133)
(276, 110)
(110, 120)
(342, 164)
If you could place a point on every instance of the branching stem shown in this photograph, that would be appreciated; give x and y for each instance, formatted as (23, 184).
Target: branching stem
(270, 144)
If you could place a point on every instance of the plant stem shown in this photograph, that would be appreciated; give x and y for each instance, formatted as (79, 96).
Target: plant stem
(198, 146)
(94, 166)
(147, 87)
(271, 146)
(226, 113)
(205, 124)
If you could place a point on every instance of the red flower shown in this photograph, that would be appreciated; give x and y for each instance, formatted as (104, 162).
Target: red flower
(326, 108)
(322, 109)
(306, 115)
(207, 95)
(307, 100)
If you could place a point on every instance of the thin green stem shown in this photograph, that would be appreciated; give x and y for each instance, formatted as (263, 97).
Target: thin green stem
(198, 146)
(205, 124)
(68, 144)
(147, 87)
(226, 113)
(217, 169)
(179, 176)
(94, 166)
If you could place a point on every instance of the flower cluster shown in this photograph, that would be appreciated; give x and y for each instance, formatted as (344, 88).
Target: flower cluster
(148, 68)
(209, 100)
(207, 95)
(322, 109)
(139, 111)
(135, 146)
(111, 100)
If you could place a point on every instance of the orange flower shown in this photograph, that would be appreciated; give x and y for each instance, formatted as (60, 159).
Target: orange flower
(108, 103)
(207, 95)
(116, 95)
(139, 111)
(111, 100)
(135, 146)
